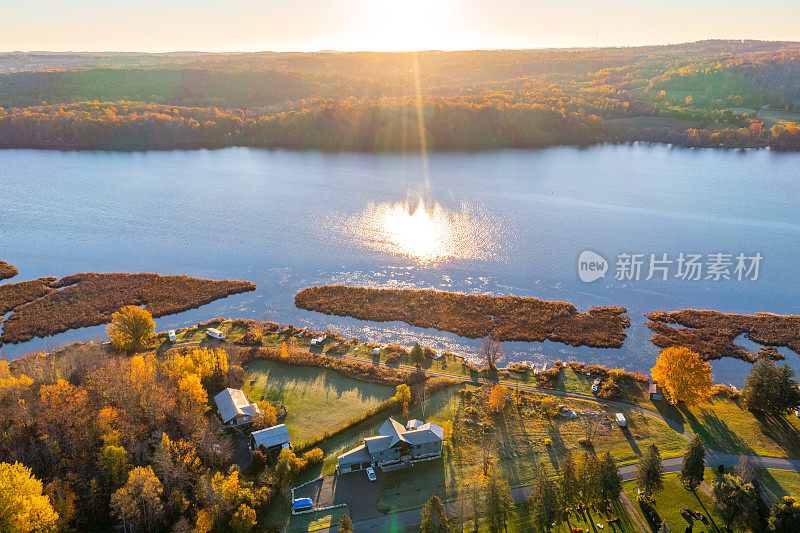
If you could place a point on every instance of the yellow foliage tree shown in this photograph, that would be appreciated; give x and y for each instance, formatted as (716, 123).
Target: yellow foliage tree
(131, 329)
(284, 350)
(192, 393)
(403, 396)
(498, 397)
(683, 375)
(10, 384)
(138, 502)
(23, 506)
(266, 417)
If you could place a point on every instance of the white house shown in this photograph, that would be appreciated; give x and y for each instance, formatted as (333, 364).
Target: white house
(234, 407)
(395, 444)
(272, 439)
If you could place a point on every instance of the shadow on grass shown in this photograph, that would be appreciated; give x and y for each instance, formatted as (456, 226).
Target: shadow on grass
(707, 513)
(631, 441)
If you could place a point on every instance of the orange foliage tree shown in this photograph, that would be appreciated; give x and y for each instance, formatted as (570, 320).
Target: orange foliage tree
(683, 375)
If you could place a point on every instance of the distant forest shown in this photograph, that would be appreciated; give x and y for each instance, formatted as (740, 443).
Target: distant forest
(711, 93)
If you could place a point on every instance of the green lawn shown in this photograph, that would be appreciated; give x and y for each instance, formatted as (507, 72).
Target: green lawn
(316, 400)
(280, 514)
(724, 425)
(780, 483)
(674, 497)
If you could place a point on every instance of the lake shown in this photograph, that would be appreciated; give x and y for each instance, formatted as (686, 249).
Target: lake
(503, 222)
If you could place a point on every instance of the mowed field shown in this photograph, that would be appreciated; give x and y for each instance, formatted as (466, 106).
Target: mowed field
(316, 400)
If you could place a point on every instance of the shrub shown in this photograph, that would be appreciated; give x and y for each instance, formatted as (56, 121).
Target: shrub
(393, 359)
(211, 322)
(313, 456)
(609, 390)
(548, 441)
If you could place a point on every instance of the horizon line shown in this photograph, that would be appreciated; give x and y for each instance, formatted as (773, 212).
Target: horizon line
(387, 51)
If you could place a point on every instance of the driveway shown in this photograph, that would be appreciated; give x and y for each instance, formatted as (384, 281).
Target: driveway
(359, 493)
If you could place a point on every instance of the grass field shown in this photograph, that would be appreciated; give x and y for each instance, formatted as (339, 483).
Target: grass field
(316, 400)
(669, 502)
(516, 444)
(780, 483)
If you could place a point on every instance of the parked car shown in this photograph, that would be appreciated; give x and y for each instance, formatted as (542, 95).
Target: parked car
(596, 384)
(371, 474)
(172, 335)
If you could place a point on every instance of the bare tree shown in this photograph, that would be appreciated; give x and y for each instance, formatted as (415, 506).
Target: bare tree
(591, 424)
(424, 398)
(747, 469)
(490, 351)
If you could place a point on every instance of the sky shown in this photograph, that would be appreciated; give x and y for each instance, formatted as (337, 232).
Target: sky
(308, 25)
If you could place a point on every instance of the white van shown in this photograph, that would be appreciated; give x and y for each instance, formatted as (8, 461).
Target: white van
(172, 335)
(215, 333)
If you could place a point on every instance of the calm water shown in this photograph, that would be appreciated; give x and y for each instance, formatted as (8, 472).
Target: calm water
(505, 222)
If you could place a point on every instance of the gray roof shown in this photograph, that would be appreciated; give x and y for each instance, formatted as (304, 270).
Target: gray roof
(274, 436)
(378, 444)
(356, 455)
(233, 402)
(396, 432)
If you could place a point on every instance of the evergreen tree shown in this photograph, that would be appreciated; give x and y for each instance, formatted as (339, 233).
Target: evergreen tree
(694, 463)
(498, 502)
(434, 516)
(610, 479)
(544, 502)
(569, 482)
(650, 475)
(770, 388)
(589, 478)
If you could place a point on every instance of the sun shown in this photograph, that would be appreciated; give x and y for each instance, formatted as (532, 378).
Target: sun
(407, 25)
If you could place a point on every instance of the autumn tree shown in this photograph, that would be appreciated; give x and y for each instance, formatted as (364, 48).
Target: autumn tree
(138, 502)
(403, 397)
(785, 515)
(267, 416)
(23, 506)
(683, 375)
(131, 329)
(434, 516)
(244, 519)
(345, 524)
(115, 462)
(736, 502)
(650, 473)
(498, 397)
(694, 464)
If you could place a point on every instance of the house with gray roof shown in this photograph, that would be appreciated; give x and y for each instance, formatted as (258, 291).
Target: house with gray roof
(234, 408)
(273, 439)
(395, 444)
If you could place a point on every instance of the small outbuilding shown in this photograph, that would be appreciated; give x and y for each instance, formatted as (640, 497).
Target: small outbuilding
(172, 335)
(655, 391)
(620, 419)
(318, 341)
(273, 439)
(376, 351)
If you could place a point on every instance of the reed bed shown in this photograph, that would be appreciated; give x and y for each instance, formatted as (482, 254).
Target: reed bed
(505, 318)
(90, 298)
(712, 333)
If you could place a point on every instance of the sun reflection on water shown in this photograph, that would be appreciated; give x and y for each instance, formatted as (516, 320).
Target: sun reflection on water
(428, 233)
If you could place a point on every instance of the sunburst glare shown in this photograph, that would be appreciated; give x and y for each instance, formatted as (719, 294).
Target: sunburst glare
(428, 233)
